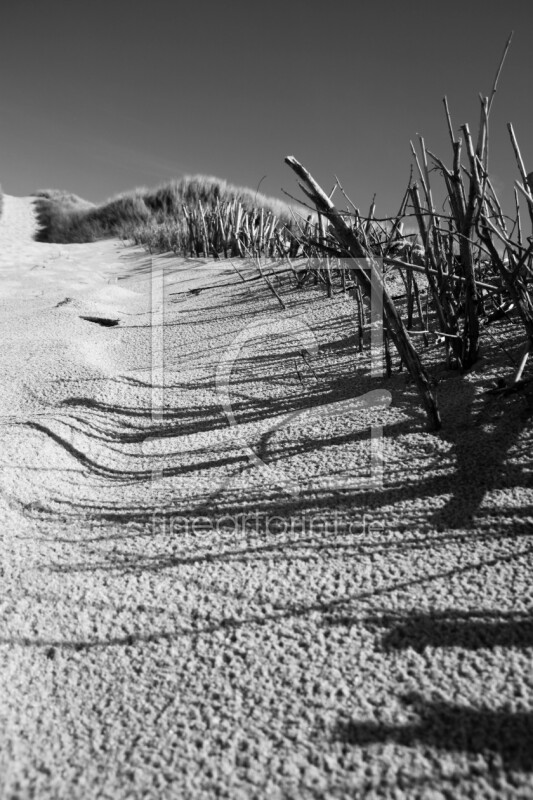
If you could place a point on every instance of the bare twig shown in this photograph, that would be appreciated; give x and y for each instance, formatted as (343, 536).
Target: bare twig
(370, 283)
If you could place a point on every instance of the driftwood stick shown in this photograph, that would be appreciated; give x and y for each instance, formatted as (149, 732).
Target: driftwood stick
(356, 210)
(449, 121)
(498, 71)
(522, 170)
(420, 171)
(398, 331)
(518, 154)
(360, 316)
(523, 360)
(518, 222)
(526, 194)
(300, 202)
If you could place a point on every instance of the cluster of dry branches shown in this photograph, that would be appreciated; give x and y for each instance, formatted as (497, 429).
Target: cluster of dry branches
(472, 257)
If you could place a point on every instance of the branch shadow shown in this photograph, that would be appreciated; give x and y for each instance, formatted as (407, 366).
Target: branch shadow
(468, 630)
(482, 443)
(457, 728)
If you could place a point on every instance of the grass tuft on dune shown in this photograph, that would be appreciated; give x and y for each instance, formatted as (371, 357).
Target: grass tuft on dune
(65, 218)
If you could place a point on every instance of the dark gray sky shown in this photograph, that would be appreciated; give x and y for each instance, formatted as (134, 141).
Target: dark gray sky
(100, 97)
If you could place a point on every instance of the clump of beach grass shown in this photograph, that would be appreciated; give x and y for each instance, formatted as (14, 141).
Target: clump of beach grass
(191, 216)
(65, 218)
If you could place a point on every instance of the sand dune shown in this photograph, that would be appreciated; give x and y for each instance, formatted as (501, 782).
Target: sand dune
(182, 618)
(36, 269)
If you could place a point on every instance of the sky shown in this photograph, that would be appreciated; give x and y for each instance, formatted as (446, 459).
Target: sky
(105, 96)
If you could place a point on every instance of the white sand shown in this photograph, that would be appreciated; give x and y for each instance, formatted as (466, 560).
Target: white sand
(151, 647)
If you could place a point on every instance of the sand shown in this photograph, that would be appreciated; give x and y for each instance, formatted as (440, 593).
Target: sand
(192, 608)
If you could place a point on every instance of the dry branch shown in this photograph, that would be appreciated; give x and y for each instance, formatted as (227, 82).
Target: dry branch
(347, 238)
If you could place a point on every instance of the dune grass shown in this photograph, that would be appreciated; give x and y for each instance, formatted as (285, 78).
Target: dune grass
(65, 218)
(194, 215)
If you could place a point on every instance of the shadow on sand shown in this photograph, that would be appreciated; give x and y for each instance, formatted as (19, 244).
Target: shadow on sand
(445, 726)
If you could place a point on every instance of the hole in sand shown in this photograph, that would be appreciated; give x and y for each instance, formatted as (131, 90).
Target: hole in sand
(108, 323)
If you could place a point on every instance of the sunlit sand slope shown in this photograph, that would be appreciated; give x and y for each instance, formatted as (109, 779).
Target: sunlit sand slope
(196, 604)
